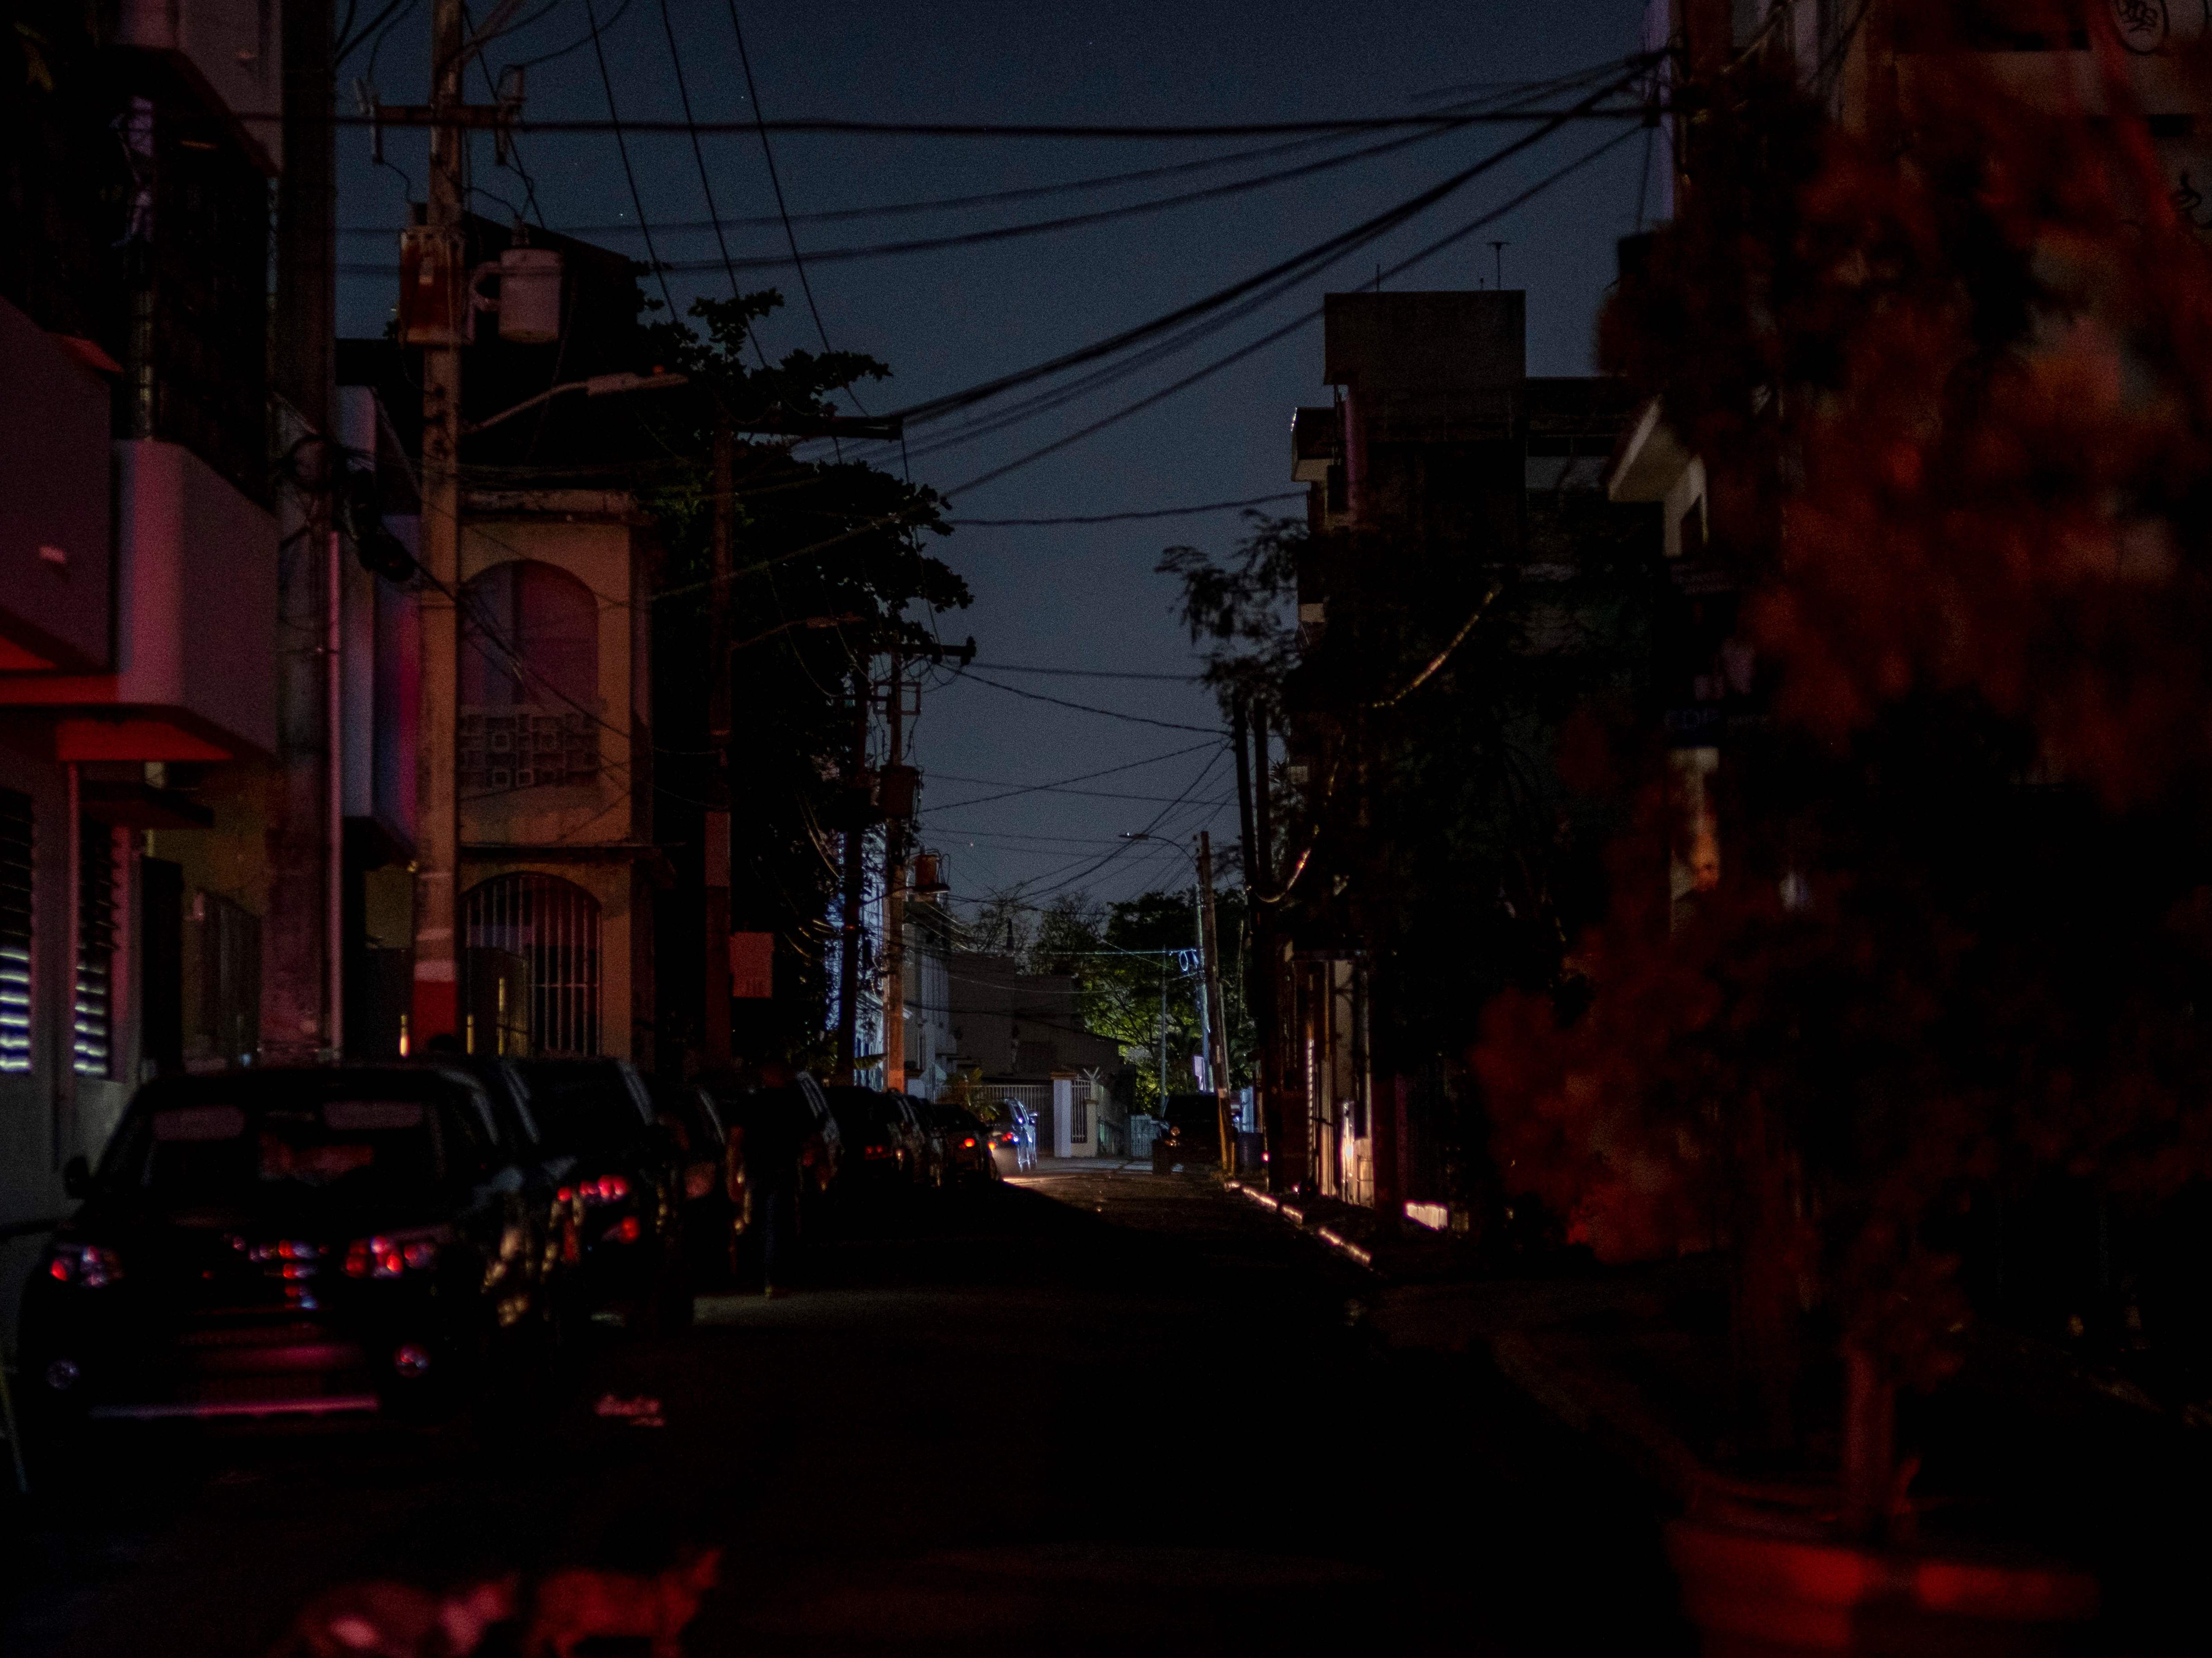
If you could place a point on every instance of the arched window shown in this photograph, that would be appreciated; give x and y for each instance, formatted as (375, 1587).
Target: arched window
(530, 679)
(532, 940)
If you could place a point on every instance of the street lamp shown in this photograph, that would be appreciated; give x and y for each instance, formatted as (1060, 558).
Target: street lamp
(598, 385)
(1217, 1033)
(846, 621)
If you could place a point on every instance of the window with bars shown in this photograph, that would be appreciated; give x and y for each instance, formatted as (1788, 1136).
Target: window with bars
(94, 1036)
(552, 927)
(16, 940)
(530, 673)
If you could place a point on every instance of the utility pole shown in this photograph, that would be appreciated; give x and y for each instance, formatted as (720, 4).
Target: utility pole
(300, 989)
(714, 1047)
(440, 256)
(1217, 1033)
(856, 872)
(1163, 1038)
(894, 823)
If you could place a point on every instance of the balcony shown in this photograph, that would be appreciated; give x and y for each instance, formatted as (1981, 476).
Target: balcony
(192, 673)
(229, 50)
(55, 570)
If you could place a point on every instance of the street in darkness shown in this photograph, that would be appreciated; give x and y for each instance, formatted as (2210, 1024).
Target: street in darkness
(1056, 1414)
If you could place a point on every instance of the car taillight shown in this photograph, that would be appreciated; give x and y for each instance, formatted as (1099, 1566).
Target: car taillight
(627, 1229)
(608, 1188)
(969, 1141)
(87, 1265)
(879, 1152)
(382, 1257)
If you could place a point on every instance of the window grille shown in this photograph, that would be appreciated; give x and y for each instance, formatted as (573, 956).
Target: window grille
(95, 951)
(526, 747)
(553, 925)
(15, 867)
(530, 669)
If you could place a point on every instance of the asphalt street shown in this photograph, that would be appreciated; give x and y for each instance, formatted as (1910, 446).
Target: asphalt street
(1088, 1412)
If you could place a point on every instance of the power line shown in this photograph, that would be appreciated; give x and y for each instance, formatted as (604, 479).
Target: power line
(1088, 794)
(776, 182)
(1080, 777)
(576, 44)
(1320, 255)
(1014, 232)
(1025, 192)
(1090, 673)
(698, 152)
(1136, 840)
(1347, 126)
(1287, 328)
(621, 145)
(934, 204)
(1080, 707)
(1125, 518)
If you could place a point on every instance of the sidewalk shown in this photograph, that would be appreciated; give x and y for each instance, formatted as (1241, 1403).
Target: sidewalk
(2025, 1453)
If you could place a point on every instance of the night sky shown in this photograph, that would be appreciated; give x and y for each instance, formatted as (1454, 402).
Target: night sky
(1068, 596)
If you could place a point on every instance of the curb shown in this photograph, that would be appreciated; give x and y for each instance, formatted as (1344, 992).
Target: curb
(1297, 1216)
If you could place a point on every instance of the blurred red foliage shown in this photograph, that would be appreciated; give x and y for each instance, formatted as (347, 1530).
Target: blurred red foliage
(1955, 397)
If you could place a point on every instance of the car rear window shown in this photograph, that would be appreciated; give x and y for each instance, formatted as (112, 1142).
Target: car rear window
(246, 1153)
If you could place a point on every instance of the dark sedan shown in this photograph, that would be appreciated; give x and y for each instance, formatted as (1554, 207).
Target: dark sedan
(285, 1243)
(885, 1148)
(712, 1180)
(623, 1198)
(967, 1141)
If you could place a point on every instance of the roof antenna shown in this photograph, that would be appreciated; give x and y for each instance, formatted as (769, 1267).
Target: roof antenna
(1497, 252)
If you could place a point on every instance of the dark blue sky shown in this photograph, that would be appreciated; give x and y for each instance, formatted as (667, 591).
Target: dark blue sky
(1069, 596)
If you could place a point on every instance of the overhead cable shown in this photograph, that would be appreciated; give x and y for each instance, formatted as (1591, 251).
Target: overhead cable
(599, 52)
(1318, 256)
(1080, 707)
(1272, 336)
(1125, 518)
(1347, 124)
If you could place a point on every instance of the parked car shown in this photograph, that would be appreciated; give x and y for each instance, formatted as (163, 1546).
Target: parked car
(936, 1159)
(967, 1141)
(710, 1181)
(286, 1241)
(886, 1147)
(544, 1170)
(623, 1198)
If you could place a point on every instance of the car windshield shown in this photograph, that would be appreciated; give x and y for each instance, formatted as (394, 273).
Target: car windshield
(211, 1152)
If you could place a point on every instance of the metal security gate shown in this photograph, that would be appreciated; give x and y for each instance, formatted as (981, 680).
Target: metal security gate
(553, 926)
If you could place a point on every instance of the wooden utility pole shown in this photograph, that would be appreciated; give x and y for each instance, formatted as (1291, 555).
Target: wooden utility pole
(437, 878)
(856, 872)
(1217, 1033)
(714, 1047)
(894, 823)
(301, 996)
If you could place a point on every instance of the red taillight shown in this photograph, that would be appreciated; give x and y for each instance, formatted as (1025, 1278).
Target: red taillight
(566, 1195)
(878, 1151)
(58, 1270)
(387, 1257)
(970, 1140)
(627, 1229)
(608, 1188)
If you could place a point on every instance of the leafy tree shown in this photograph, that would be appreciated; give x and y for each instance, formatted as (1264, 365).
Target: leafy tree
(829, 539)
